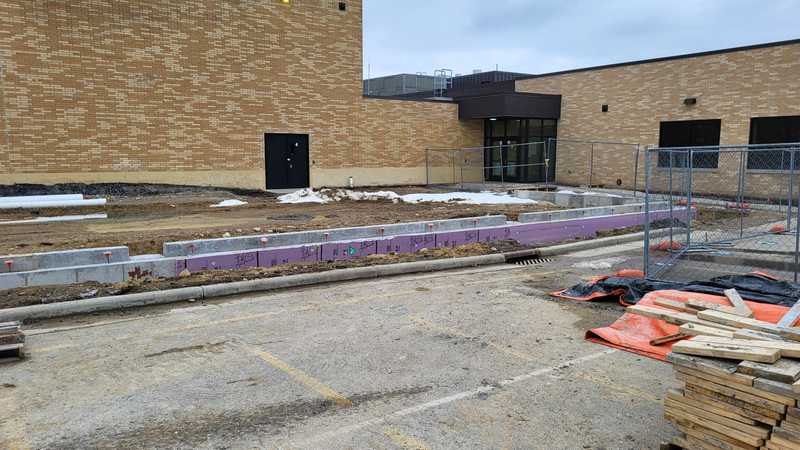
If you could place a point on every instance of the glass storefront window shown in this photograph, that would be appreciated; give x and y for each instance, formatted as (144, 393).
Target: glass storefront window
(498, 128)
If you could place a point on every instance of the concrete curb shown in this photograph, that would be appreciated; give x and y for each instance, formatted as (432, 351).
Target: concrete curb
(563, 249)
(219, 290)
(51, 310)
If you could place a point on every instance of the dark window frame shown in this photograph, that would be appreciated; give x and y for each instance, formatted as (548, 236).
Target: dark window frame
(693, 135)
(766, 160)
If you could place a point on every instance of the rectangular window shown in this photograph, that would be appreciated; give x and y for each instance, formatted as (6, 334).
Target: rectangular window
(773, 130)
(689, 133)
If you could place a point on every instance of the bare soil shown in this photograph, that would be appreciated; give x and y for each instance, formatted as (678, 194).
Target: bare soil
(145, 222)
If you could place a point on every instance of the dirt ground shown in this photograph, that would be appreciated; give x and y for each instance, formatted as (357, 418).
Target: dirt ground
(145, 222)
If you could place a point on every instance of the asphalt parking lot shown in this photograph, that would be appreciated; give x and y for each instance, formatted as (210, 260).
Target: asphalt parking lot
(472, 358)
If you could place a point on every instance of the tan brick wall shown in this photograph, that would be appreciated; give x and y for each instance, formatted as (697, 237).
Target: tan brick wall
(732, 86)
(172, 90)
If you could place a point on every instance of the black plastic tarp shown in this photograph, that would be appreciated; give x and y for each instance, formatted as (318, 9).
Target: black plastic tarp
(755, 287)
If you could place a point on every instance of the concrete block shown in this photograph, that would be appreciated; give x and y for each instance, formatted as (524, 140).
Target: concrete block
(52, 276)
(108, 273)
(67, 258)
(12, 280)
(227, 245)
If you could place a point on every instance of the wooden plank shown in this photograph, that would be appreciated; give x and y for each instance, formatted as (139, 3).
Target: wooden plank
(784, 370)
(757, 335)
(712, 442)
(705, 445)
(791, 316)
(734, 380)
(761, 432)
(727, 351)
(682, 443)
(677, 395)
(796, 387)
(712, 393)
(735, 299)
(784, 442)
(788, 349)
(770, 445)
(703, 305)
(669, 338)
(776, 387)
(733, 408)
(788, 401)
(703, 330)
(790, 333)
(786, 434)
(793, 412)
(791, 426)
(792, 419)
(765, 404)
(705, 434)
(673, 304)
(675, 317)
(717, 367)
(738, 321)
(676, 415)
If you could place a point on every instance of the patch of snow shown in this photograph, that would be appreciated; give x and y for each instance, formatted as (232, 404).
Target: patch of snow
(468, 198)
(566, 191)
(225, 203)
(306, 195)
(605, 263)
(326, 195)
(590, 193)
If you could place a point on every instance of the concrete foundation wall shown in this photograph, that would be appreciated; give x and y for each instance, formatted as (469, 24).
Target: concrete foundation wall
(50, 260)
(204, 246)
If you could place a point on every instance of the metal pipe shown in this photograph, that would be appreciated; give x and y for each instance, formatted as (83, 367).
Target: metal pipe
(797, 227)
(57, 204)
(461, 166)
(427, 175)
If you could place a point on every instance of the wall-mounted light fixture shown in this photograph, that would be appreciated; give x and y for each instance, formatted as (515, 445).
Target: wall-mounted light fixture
(605, 108)
(493, 118)
(285, 1)
(690, 101)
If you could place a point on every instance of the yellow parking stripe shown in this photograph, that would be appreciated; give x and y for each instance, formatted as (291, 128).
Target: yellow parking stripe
(299, 375)
(405, 440)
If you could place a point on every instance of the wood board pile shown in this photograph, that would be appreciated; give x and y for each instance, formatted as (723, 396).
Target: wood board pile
(12, 342)
(741, 376)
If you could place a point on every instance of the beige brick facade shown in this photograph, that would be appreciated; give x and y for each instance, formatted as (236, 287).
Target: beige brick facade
(732, 86)
(183, 91)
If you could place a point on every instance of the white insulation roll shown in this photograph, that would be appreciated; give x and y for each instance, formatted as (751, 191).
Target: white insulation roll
(53, 204)
(42, 198)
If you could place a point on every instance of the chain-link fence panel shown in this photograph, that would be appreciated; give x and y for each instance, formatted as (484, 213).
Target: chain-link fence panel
(719, 210)
(595, 165)
(482, 168)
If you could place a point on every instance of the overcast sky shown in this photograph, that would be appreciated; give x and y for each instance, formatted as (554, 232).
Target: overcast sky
(535, 36)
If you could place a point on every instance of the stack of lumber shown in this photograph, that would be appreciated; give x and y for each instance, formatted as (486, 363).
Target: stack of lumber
(741, 376)
(12, 341)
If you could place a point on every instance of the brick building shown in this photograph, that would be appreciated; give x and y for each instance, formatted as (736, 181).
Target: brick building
(253, 94)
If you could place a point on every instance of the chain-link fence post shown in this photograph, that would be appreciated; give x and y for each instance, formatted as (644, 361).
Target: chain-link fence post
(796, 223)
(636, 170)
(646, 213)
(591, 165)
(689, 201)
(427, 175)
(791, 181)
(461, 166)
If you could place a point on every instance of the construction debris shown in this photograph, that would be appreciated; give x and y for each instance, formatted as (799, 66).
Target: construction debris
(12, 342)
(741, 375)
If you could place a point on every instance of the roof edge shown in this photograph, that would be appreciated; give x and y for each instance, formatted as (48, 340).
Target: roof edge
(666, 58)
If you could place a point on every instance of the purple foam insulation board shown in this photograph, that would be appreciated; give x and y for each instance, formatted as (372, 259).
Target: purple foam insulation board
(278, 256)
(222, 262)
(348, 250)
(591, 226)
(540, 233)
(494, 234)
(420, 241)
(401, 244)
(179, 266)
(456, 238)
(384, 246)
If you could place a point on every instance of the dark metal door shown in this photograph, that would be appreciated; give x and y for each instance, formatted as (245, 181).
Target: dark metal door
(286, 157)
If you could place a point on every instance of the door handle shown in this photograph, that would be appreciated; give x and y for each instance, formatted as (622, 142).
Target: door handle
(290, 166)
